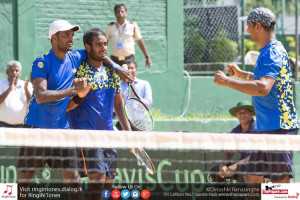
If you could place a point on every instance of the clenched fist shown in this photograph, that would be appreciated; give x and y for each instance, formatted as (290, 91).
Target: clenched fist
(234, 70)
(80, 84)
(125, 75)
(220, 78)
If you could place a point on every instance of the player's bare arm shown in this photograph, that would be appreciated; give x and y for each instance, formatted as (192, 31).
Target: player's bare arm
(72, 105)
(44, 96)
(123, 73)
(235, 71)
(119, 110)
(260, 87)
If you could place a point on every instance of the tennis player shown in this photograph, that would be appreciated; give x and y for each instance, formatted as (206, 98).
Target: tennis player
(95, 111)
(53, 75)
(272, 91)
(53, 81)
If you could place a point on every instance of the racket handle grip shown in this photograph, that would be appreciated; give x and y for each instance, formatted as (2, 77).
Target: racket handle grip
(125, 66)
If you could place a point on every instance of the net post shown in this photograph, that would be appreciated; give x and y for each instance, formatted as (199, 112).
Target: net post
(243, 36)
(297, 41)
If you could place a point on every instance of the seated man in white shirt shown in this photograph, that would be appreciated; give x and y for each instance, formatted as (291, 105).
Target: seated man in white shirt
(14, 96)
(142, 88)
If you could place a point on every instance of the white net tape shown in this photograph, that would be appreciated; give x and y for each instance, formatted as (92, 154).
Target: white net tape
(155, 140)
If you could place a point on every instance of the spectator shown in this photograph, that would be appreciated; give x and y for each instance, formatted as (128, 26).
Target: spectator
(142, 88)
(121, 35)
(244, 112)
(14, 96)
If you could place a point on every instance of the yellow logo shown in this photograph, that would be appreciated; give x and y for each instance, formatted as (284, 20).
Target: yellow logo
(40, 65)
(74, 71)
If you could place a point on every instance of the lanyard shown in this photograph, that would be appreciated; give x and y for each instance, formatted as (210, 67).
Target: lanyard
(123, 29)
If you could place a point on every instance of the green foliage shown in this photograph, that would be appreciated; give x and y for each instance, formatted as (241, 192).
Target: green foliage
(197, 2)
(274, 5)
(222, 49)
(157, 114)
(292, 54)
(251, 46)
(291, 45)
(195, 45)
(291, 41)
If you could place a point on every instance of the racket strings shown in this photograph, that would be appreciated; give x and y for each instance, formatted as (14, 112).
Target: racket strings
(138, 115)
(145, 160)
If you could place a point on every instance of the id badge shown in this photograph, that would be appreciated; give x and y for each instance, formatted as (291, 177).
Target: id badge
(119, 45)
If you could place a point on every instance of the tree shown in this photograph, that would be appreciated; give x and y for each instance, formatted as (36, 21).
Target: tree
(194, 44)
(222, 49)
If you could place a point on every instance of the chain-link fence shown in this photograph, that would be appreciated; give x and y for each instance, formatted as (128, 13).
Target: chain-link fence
(213, 33)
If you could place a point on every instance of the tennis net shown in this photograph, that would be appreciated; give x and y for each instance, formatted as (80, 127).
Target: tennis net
(187, 164)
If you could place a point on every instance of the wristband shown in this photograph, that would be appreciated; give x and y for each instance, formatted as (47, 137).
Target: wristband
(146, 57)
(77, 99)
(114, 66)
(248, 76)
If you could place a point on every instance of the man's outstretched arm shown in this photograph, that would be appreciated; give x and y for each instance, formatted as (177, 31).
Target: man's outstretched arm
(123, 73)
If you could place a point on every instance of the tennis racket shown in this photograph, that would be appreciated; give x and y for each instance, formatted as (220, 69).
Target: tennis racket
(137, 113)
(144, 159)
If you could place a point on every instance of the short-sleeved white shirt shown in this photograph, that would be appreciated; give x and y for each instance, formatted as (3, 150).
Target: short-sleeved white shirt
(125, 33)
(13, 109)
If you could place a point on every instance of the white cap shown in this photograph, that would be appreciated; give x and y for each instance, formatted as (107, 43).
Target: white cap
(61, 25)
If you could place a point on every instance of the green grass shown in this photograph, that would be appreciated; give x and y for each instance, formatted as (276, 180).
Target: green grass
(157, 114)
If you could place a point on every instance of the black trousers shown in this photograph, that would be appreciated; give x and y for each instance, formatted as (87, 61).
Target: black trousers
(3, 124)
(121, 62)
(119, 127)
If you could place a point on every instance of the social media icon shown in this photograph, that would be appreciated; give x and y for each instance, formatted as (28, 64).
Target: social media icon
(135, 194)
(105, 194)
(115, 194)
(145, 194)
(125, 194)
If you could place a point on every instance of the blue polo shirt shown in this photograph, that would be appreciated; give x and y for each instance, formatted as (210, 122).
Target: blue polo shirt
(238, 130)
(59, 75)
(275, 110)
(96, 111)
